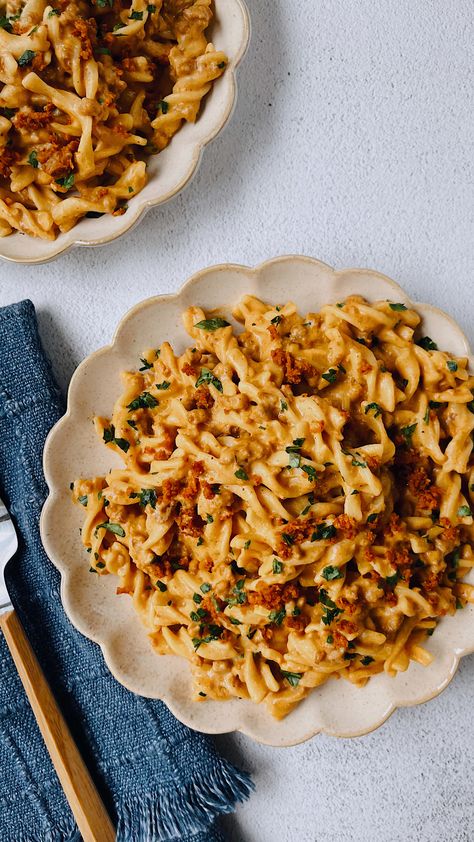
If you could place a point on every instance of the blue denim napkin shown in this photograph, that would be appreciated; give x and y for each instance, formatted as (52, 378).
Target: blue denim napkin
(160, 780)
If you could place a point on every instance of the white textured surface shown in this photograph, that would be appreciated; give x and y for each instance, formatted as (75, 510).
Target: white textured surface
(353, 142)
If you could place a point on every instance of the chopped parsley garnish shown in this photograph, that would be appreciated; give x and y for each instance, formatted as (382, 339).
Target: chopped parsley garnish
(163, 106)
(150, 9)
(392, 580)
(109, 438)
(464, 511)
(112, 527)
(354, 491)
(293, 678)
(323, 532)
(238, 596)
(241, 474)
(132, 424)
(235, 621)
(407, 433)
(145, 364)
(146, 497)
(26, 58)
(277, 566)
(426, 416)
(330, 376)
(330, 639)
(197, 598)
(331, 611)
(330, 572)
(372, 518)
(66, 181)
(295, 447)
(200, 541)
(136, 15)
(377, 409)
(161, 586)
(459, 604)
(209, 519)
(283, 406)
(452, 365)
(83, 499)
(277, 616)
(205, 587)
(200, 692)
(358, 463)
(349, 656)
(435, 404)
(427, 343)
(247, 544)
(221, 65)
(207, 376)
(287, 539)
(143, 401)
(276, 320)
(100, 565)
(397, 307)
(310, 471)
(198, 615)
(101, 4)
(33, 159)
(295, 460)
(366, 660)
(212, 324)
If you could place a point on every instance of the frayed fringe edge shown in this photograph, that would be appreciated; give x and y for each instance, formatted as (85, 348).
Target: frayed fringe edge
(64, 832)
(183, 812)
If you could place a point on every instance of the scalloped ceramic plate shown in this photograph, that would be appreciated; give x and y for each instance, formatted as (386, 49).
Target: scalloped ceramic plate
(171, 170)
(73, 450)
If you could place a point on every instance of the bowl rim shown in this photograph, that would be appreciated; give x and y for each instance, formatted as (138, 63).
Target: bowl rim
(144, 206)
(53, 492)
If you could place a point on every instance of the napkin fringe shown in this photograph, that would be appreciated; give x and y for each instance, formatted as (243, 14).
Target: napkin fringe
(187, 811)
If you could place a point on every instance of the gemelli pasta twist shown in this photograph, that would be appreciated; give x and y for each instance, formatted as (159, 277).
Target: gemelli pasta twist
(88, 90)
(295, 502)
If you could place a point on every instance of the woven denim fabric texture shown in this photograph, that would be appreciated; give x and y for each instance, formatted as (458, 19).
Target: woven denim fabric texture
(159, 779)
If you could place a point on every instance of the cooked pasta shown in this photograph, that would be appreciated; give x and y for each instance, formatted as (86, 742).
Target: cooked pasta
(295, 502)
(89, 89)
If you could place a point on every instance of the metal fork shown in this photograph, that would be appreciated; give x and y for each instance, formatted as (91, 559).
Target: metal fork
(91, 816)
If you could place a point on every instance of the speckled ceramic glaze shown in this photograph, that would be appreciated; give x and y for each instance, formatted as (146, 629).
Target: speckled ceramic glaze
(171, 170)
(73, 449)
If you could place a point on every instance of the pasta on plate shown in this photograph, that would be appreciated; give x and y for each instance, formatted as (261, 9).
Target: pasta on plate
(88, 90)
(295, 502)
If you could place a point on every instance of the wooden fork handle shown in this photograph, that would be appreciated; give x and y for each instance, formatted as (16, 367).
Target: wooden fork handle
(91, 816)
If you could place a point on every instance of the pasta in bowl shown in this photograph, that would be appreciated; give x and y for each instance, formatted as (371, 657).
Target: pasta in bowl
(295, 500)
(91, 91)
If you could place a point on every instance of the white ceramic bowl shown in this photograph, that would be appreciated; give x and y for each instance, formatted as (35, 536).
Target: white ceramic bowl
(74, 450)
(171, 170)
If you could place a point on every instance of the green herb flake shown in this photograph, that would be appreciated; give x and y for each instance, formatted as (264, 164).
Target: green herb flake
(26, 58)
(207, 376)
(241, 474)
(324, 531)
(310, 471)
(407, 433)
(277, 616)
(247, 544)
(235, 621)
(143, 401)
(212, 324)
(66, 181)
(434, 404)
(294, 461)
(83, 499)
(163, 106)
(283, 406)
(372, 518)
(161, 586)
(293, 678)
(330, 572)
(197, 598)
(464, 511)
(221, 65)
(276, 320)
(112, 527)
(366, 660)
(427, 343)
(33, 159)
(330, 376)
(330, 639)
(145, 364)
(397, 307)
(277, 566)
(209, 519)
(358, 463)
(287, 539)
(200, 541)
(426, 416)
(392, 580)
(452, 365)
(204, 695)
(459, 604)
(136, 15)
(151, 9)
(376, 408)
